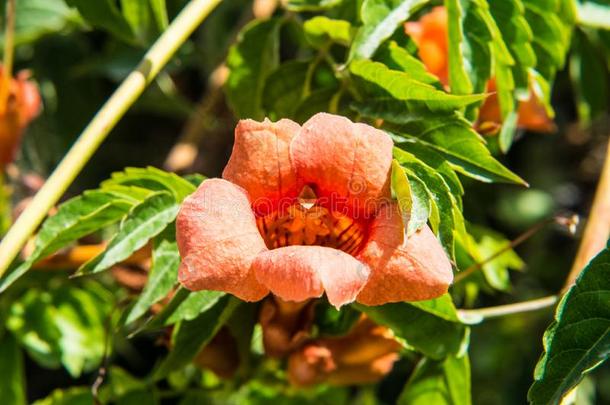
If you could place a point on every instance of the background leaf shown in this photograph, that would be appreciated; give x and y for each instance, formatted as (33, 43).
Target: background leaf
(435, 335)
(444, 382)
(190, 336)
(12, 384)
(163, 273)
(104, 14)
(251, 59)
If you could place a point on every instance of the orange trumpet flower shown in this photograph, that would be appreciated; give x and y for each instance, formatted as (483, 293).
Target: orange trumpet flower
(431, 36)
(363, 356)
(22, 106)
(307, 210)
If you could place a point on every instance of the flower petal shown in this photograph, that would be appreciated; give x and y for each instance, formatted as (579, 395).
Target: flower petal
(296, 273)
(260, 162)
(345, 161)
(218, 240)
(403, 270)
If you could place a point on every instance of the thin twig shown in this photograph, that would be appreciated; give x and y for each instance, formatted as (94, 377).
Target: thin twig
(478, 315)
(7, 59)
(597, 229)
(566, 221)
(94, 134)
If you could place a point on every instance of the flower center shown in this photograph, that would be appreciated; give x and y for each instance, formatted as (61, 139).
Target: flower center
(310, 224)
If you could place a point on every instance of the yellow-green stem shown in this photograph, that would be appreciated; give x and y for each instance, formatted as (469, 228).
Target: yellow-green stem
(94, 134)
(7, 59)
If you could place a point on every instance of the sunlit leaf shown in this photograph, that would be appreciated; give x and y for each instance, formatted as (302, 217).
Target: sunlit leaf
(402, 86)
(320, 31)
(141, 224)
(78, 217)
(151, 178)
(311, 5)
(380, 18)
(69, 396)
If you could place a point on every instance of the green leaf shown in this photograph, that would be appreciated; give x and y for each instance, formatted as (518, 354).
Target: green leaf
(589, 73)
(190, 337)
(438, 333)
(507, 132)
(403, 87)
(446, 217)
(163, 274)
(104, 14)
(78, 217)
(454, 138)
(458, 76)
(311, 5)
(401, 190)
(63, 325)
(578, 340)
(144, 221)
(333, 322)
(138, 16)
(35, 18)
(320, 31)
(68, 396)
(396, 57)
(284, 89)
(517, 34)
(184, 305)
(422, 205)
(380, 18)
(151, 178)
(317, 101)
(486, 243)
(445, 382)
(251, 59)
(159, 12)
(12, 384)
(552, 23)
(595, 14)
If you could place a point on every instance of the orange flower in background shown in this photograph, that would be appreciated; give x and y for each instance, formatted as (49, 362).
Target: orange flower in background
(307, 210)
(431, 36)
(22, 106)
(363, 356)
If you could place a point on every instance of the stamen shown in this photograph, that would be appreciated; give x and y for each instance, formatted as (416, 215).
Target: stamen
(310, 224)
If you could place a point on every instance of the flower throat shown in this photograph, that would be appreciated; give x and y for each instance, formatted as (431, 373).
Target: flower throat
(306, 223)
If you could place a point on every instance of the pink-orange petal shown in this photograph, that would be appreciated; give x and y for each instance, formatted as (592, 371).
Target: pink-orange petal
(296, 273)
(344, 161)
(403, 270)
(218, 240)
(261, 164)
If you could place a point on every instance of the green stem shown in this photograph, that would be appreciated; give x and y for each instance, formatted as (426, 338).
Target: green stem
(474, 316)
(94, 134)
